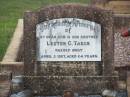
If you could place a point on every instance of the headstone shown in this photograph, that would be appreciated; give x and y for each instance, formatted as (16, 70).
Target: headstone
(68, 47)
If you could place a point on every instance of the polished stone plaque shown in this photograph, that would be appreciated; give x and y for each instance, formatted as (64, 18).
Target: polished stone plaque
(68, 39)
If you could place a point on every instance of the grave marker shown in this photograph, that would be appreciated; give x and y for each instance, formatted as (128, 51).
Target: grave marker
(61, 54)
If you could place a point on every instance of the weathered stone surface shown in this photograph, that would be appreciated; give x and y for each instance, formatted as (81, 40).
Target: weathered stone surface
(46, 84)
(83, 85)
(122, 45)
(30, 21)
(67, 69)
(103, 17)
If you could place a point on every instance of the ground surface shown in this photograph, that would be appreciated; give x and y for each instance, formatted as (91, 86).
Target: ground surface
(12, 10)
(4, 88)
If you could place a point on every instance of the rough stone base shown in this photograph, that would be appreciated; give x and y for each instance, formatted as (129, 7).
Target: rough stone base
(83, 85)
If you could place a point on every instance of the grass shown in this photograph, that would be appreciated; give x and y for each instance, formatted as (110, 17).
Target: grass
(12, 10)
